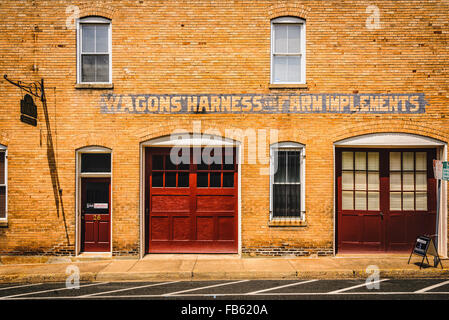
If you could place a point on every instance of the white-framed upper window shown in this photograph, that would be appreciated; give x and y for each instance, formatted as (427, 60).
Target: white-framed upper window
(3, 183)
(288, 50)
(287, 176)
(94, 50)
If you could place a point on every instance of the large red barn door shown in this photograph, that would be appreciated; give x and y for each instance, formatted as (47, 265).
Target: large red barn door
(191, 208)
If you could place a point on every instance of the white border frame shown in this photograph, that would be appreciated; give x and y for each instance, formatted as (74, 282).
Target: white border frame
(403, 140)
(289, 20)
(191, 140)
(78, 176)
(5, 149)
(92, 20)
(293, 146)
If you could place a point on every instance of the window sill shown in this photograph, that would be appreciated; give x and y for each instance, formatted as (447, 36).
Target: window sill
(287, 223)
(287, 86)
(3, 224)
(99, 86)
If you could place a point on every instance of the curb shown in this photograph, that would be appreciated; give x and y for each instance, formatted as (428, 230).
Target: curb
(198, 276)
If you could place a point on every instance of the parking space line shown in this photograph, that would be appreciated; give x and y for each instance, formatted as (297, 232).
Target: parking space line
(125, 289)
(357, 286)
(432, 287)
(50, 290)
(21, 286)
(207, 287)
(280, 287)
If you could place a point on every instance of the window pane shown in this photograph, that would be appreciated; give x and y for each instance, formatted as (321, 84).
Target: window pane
(360, 180)
(421, 201)
(407, 161)
(347, 160)
(183, 179)
(347, 200)
(88, 68)
(421, 181)
(293, 197)
(102, 38)
(280, 38)
(2, 202)
(157, 162)
(294, 34)
(408, 200)
(202, 180)
(373, 200)
(168, 164)
(96, 193)
(95, 162)
(279, 200)
(280, 69)
(347, 180)
(170, 179)
(2, 167)
(395, 201)
(421, 161)
(360, 160)
(373, 161)
(373, 180)
(395, 161)
(360, 200)
(294, 69)
(88, 38)
(228, 179)
(408, 181)
(215, 179)
(157, 179)
(102, 68)
(280, 175)
(395, 181)
(293, 166)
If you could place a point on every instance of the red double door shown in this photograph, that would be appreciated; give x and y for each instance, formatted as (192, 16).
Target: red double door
(191, 207)
(96, 214)
(386, 198)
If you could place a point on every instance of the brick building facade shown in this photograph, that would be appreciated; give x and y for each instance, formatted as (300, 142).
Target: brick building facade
(358, 101)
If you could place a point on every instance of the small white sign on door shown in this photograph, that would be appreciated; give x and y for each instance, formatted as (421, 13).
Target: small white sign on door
(101, 205)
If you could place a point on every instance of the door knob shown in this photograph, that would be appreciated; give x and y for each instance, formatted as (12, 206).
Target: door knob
(381, 215)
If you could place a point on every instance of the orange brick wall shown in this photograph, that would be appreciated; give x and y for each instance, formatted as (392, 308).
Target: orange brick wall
(204, 47)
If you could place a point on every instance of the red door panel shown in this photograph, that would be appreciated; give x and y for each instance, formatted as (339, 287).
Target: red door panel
(95, 214)
(190, 208)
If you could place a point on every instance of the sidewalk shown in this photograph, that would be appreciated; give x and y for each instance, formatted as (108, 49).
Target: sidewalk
(220, 267)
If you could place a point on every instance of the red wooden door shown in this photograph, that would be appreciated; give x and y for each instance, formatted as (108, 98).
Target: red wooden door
(190, 208)
(386, 198)
(95, 214)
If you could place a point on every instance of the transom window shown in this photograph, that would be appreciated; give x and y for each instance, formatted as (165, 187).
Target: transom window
(288, 50)
(287, 180)
(94, 50)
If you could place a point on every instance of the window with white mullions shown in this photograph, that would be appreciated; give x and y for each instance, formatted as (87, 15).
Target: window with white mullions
(287, 187)
(94, 50)
(288, 50)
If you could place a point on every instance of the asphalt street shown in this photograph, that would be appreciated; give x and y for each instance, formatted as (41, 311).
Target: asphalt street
(398, 289)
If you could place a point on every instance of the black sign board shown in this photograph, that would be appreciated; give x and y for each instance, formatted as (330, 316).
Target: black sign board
(28, 110)
(423, 247)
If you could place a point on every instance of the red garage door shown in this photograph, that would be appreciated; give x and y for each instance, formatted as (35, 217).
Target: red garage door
(191, 208)
(386, 198)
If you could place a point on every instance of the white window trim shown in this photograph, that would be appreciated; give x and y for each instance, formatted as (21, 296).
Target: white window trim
(5, 149)
(93, 20)
(302, 149)
(290, 20)
(79, 176)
